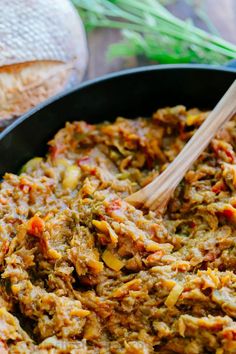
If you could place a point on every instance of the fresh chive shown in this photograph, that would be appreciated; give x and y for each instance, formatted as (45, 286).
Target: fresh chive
(150, 29)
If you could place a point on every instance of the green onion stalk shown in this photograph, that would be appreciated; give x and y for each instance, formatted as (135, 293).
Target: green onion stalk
(149, 29)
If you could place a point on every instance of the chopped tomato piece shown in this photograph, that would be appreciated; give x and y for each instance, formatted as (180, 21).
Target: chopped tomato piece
(35, 226)
(114, 205)
(25, 185)
(230, 155)
(93, 171)
(228, 213)
(218, 187)
(229, 333)
(192, 224)
(221, 147)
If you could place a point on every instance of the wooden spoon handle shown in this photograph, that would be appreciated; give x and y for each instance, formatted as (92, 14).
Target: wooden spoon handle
(158, 192)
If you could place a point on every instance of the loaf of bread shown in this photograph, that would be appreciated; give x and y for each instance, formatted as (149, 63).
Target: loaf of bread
(43, 50)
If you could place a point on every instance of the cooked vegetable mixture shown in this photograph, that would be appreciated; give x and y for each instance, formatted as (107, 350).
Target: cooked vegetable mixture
(82, 271)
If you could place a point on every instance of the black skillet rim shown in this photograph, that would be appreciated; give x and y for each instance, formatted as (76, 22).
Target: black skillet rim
(107, 77)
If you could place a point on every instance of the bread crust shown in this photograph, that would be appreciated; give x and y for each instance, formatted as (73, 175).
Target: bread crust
(43, 49)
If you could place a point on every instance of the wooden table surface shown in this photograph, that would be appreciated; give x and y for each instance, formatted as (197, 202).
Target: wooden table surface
(221, 12)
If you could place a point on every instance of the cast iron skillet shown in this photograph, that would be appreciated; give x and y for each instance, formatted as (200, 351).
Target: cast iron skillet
(129, 93)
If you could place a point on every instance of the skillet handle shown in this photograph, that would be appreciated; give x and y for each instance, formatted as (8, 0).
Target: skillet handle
(231, 64)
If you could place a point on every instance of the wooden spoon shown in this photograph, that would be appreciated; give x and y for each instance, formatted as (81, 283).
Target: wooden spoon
(156, 195)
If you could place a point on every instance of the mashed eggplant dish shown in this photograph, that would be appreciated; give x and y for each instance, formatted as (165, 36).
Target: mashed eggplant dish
(84, 272)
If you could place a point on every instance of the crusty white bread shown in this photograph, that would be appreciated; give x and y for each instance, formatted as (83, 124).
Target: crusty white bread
(43, 50)
(23, 86)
